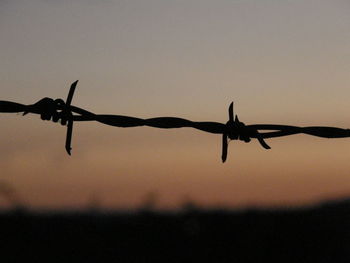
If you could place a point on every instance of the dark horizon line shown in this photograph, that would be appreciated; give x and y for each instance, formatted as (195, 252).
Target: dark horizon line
(191, 206)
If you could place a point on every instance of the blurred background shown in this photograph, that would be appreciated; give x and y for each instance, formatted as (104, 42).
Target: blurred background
(283, 62)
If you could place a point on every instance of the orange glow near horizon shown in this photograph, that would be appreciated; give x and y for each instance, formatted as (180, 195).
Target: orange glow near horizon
(118, 167)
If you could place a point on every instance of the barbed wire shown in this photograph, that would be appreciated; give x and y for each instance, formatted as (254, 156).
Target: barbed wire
(62, 111)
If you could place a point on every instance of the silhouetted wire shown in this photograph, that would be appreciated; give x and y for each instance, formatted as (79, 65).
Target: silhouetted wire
(58, 110)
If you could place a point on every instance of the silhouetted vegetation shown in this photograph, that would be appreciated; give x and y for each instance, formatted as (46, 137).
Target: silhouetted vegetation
(319, 234)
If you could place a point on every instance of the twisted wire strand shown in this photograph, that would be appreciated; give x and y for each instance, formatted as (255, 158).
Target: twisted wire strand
(50, 109)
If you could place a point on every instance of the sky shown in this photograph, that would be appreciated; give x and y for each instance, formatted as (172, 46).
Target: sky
(282, 62)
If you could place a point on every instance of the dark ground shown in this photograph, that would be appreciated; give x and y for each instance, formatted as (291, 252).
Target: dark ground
(319, 234)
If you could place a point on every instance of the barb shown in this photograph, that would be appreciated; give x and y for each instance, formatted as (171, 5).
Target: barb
(58, 110)
(69, 115)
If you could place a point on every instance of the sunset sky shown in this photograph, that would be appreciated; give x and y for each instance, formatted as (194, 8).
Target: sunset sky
(282, 62)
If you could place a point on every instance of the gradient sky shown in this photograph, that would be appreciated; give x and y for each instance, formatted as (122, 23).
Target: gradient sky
(283, 62)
